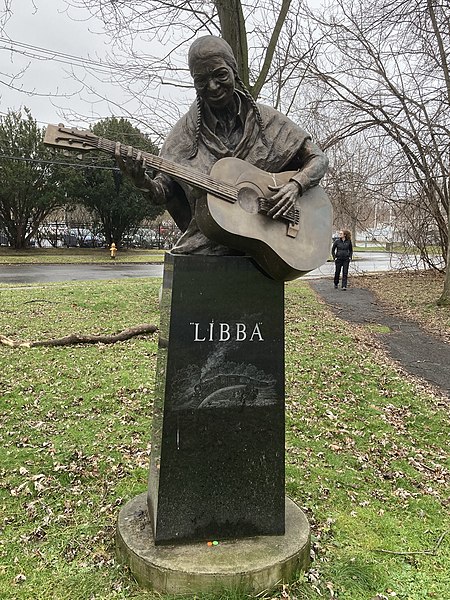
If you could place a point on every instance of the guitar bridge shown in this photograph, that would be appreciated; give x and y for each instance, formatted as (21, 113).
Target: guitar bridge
(292, 217)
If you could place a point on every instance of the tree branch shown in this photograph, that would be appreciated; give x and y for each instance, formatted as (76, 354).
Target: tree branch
(75, 338)
(432, 552)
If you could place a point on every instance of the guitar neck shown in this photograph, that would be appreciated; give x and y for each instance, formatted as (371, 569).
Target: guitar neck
(185, 174)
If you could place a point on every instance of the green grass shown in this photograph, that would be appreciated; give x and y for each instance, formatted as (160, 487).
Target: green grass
(367, 450)
(77, 255)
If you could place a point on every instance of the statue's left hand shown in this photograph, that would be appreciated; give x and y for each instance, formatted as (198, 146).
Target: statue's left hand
(285, 198)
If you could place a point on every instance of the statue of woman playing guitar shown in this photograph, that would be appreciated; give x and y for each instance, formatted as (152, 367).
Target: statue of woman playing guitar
(225, 121)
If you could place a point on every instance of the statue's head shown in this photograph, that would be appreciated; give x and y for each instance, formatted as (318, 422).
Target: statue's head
(213, 68)
(209, 46)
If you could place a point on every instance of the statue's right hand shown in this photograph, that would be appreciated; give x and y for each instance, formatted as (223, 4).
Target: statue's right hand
(133, 167)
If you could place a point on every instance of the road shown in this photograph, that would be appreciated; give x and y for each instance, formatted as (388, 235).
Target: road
(44, 273)
(367, 262)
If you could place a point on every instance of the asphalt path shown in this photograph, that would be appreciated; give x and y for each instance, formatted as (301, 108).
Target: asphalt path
(420, 353)
(367, 262)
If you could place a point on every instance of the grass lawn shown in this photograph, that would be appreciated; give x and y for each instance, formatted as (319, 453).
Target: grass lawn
(9, 256)
(367, 450)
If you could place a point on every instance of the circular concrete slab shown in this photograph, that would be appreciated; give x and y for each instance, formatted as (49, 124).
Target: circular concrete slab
(252, 564)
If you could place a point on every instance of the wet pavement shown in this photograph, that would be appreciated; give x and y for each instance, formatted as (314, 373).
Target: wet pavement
(44, 273)
(366, 262)
(417, 351)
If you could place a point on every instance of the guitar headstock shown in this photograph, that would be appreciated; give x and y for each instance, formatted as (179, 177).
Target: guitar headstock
(70, 138)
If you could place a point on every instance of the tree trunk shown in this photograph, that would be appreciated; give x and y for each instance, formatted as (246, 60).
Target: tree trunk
(232, 24)
(444, 300)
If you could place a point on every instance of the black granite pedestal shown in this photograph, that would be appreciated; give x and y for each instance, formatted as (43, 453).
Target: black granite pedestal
(217, 459)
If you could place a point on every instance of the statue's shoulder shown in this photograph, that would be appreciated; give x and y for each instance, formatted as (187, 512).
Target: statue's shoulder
(274, 118)
(179, 140)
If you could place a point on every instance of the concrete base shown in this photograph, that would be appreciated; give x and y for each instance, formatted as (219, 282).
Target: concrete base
(251, 564)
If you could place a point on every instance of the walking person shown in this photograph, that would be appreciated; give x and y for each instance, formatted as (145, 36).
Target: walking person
(342, 252)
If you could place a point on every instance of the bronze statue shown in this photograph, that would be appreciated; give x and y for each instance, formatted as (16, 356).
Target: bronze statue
(226, 122)
(238, 177)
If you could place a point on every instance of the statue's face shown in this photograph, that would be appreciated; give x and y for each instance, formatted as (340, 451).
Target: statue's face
(214, 81)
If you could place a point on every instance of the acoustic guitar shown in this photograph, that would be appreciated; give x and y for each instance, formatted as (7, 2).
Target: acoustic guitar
(234, 210)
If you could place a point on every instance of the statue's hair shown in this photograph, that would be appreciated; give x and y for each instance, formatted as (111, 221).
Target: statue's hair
(198, 125)
(210, 45)
(254, 106)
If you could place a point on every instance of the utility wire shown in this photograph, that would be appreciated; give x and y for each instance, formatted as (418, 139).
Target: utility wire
(39, 53)
(33, 52)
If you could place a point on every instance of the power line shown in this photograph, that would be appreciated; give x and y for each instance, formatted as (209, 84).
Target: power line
(39, 53)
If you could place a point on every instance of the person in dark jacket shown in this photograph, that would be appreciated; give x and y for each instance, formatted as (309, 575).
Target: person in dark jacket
(342, 252)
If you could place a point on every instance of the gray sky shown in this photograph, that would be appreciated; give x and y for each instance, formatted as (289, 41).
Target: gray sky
(56, 86)
(48, 86)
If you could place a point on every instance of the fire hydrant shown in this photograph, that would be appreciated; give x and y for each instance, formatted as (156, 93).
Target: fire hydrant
(113, 251)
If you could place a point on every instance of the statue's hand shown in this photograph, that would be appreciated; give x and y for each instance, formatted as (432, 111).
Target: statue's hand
(133, 167)
(285, 198)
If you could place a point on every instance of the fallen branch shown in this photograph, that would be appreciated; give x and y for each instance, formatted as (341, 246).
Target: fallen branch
(75, 338)
(429, 552)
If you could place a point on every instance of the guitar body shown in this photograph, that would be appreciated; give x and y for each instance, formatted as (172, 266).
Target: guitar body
(241, 226)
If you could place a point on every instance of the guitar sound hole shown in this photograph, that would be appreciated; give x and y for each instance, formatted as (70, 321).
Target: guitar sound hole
(248, 200)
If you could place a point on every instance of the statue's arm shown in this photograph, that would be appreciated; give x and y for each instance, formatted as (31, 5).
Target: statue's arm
(313, 166)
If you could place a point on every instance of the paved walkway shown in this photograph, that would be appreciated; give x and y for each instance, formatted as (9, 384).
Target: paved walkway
(418, 352)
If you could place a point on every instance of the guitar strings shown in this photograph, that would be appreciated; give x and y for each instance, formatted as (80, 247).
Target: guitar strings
(205, 182)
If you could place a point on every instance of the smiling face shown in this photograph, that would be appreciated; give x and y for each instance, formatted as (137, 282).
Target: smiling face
(214, 81)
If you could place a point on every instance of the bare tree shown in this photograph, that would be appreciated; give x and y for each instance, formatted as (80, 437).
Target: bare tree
(353, 184)
(150, 40)
(5, 12)
(386, 68)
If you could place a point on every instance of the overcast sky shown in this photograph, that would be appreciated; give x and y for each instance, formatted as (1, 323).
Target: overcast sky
(49, 88)
(51, 84)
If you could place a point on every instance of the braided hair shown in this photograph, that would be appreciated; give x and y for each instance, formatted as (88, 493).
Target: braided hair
(253, 105)
(198, 125)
